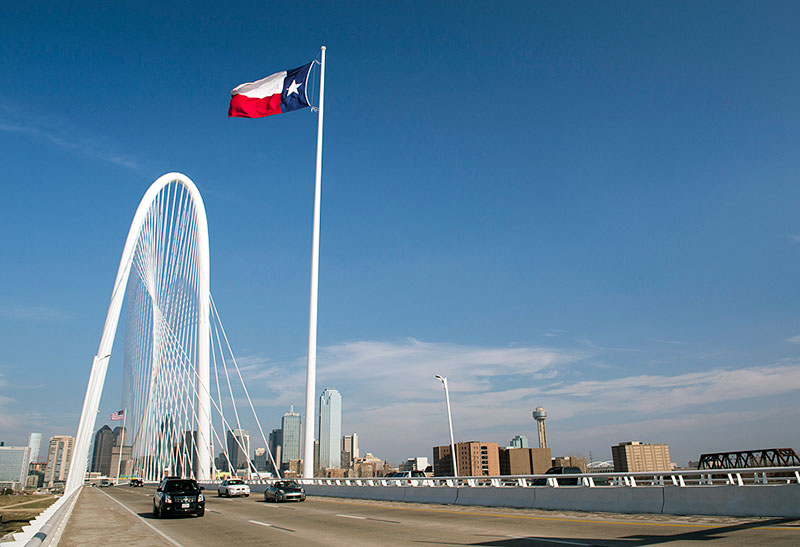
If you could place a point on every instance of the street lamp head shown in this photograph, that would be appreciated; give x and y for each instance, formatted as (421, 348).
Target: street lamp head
(440, 377)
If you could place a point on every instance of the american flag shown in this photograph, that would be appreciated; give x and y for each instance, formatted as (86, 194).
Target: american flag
(117, 416)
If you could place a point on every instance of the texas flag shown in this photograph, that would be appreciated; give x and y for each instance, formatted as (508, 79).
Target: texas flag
(280, 92)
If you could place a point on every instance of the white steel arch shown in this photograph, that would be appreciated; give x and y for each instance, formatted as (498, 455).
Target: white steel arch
(173, 196)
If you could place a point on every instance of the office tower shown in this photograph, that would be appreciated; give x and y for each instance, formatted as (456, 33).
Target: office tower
(35, 444)
(275, 444)
(330, 428)
(103, 445)
(59, 454)
(520, 441)
(349, 450)
(636, 456)
(14, 466)
(540, 415)
(290, 435)
(260, 459)
(473, 458)
(239, 449)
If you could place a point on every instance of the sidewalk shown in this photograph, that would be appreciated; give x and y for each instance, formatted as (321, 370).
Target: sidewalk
(99, 520)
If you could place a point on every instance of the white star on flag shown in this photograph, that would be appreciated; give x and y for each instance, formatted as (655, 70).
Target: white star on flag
(293, 87)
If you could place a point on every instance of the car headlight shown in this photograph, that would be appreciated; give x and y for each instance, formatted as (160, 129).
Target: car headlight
(201, 498)
(281, 492)
(167, 499)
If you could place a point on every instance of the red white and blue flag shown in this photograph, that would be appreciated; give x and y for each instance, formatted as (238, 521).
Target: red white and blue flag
(117, 416)
(278, 93)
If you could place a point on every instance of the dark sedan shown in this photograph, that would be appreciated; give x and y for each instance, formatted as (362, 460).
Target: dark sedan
(285, 491)
(176, 496)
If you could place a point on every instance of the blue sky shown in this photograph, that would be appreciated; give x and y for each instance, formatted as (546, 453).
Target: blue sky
(586, 206)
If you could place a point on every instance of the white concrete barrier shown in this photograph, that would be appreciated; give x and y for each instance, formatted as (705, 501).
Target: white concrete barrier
(648, 499)
(756, 501)
(736, 501)
(491, 496)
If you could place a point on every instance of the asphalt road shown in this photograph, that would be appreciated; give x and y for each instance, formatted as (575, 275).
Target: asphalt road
(100, 520)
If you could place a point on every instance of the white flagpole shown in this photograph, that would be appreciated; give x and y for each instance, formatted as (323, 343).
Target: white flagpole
(311, 375)
(122, 442)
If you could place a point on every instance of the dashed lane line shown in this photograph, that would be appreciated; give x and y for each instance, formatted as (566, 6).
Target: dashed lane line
(271, 525)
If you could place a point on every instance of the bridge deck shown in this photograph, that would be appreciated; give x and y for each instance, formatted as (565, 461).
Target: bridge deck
(121, 516)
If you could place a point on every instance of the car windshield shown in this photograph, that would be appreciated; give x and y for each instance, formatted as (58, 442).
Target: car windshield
(180, 486)
(235, 481)
(286, 484)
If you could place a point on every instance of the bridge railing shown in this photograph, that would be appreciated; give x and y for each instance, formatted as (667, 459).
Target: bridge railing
(680, 478)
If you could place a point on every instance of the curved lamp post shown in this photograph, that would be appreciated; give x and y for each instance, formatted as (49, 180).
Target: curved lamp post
(450, 421)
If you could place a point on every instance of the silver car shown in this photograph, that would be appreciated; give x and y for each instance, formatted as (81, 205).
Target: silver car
(233, 487)
(285, 491)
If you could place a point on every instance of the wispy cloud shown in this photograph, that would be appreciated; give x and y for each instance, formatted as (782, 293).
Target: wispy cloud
(64, 136)
(393, 401)
(794, 339)
(795, 237)
(32, 313)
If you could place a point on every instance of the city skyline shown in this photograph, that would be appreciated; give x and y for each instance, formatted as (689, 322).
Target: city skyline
(612, 237)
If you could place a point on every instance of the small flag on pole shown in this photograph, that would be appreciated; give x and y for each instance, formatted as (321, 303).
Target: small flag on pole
(278, 93)
(117, 416)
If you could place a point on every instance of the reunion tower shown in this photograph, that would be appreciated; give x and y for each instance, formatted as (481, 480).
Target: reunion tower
(540, 415)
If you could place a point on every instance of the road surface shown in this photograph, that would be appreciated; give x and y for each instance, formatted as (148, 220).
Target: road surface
(122, 516)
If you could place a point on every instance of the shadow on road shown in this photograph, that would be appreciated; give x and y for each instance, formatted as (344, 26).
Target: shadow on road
(707, 534)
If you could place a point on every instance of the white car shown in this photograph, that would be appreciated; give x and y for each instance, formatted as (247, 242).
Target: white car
(233, 487)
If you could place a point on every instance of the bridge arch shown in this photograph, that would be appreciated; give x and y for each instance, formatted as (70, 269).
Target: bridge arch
(167, 254)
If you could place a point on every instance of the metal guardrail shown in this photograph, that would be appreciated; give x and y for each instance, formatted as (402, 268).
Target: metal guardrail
(45, 529)
(760, 476)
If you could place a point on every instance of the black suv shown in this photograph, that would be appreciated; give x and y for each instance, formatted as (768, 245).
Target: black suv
(571, 481)
(177, 496)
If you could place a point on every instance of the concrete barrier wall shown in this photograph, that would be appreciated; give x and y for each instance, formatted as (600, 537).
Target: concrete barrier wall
(738, 501)
(756, 501)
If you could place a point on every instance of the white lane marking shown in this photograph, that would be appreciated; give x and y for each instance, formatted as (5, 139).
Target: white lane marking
(352, 517)
(549, 540)
(153, 528)
(261, 523)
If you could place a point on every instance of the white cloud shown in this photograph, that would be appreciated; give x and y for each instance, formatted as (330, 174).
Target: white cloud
(392, 400)
(31, 313)
(64, 136)
(794, 339)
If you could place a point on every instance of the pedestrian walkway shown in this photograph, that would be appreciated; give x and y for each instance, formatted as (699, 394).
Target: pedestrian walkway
(100, 520)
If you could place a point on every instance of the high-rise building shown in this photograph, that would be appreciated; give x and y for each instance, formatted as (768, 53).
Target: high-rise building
(14, 466)
(101, 457)
(239, 449)
(59, 454)
(637, 456)
(350, 451)
(275, 447)
(520, 441)
(35, 444)
(330, 428)
(291, 427)
(260, 459)
(473, 458)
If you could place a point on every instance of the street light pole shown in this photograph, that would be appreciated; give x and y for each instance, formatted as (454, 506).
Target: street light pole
(450, 421)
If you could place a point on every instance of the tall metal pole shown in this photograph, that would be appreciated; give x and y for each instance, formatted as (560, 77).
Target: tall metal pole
(449, 421)
(122, 442)
(311, 374)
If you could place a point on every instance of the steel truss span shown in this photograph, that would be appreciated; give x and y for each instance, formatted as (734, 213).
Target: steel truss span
(164, 278)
